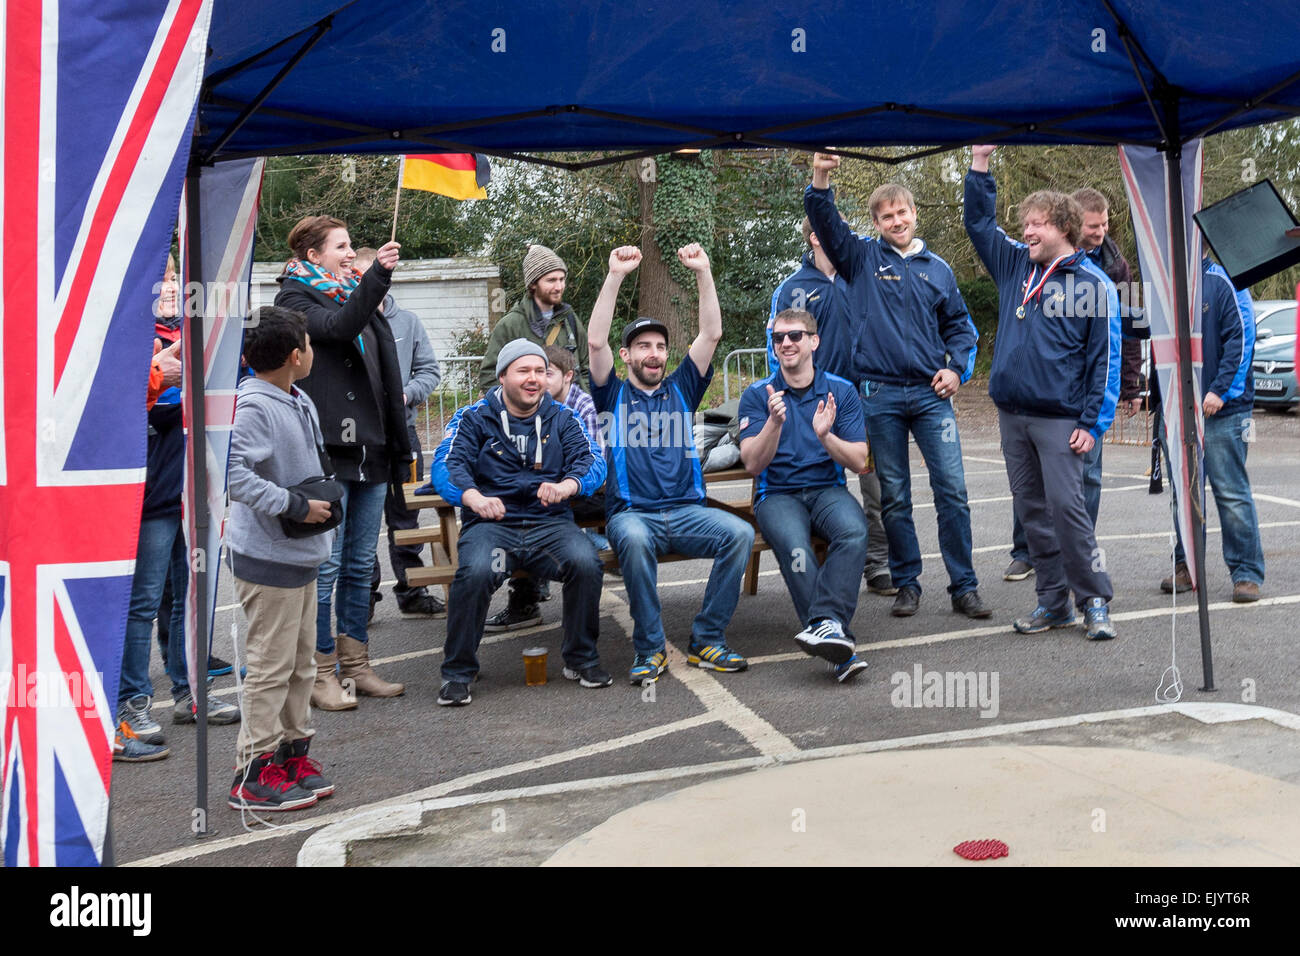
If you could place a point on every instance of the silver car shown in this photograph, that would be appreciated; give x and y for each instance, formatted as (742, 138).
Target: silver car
(1274, 363)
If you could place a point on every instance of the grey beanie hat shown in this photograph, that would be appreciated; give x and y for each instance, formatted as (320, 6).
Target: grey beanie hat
(539, 261)
(516, 349)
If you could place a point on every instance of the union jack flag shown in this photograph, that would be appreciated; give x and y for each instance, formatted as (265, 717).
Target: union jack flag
(98, 103)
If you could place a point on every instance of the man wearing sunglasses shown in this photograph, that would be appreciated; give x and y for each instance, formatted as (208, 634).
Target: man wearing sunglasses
(918, 347)
(799, 429)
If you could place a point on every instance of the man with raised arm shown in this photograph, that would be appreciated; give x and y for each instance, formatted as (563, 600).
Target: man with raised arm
(1055, 381)
(655, 490)
(799, 429)
(918, 346)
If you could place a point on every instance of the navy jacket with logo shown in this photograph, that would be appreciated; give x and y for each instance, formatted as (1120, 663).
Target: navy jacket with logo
(1227, 339)
(916, 320)
(477, 451)
(1062, 359)
(839, 325)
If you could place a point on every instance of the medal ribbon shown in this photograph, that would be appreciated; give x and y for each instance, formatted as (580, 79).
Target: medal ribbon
(1032, 289)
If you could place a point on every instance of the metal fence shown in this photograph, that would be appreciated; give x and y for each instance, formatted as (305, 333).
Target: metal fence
(459, 386)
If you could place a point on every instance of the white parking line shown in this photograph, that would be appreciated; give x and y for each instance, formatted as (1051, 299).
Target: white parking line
(1274, 499)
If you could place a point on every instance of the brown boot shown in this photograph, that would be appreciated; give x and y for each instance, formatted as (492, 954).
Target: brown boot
(1181, 580)
(327, 694)
(1245, 592)
(354, 663)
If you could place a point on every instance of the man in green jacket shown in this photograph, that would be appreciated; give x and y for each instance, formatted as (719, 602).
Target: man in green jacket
(541, 317)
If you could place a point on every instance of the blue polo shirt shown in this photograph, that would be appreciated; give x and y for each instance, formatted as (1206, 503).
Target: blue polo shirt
(801, 461)
(650, 452)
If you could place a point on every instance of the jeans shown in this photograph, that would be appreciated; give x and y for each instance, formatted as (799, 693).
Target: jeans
(892, 411)
(1225, 468)
(639, 537)
(1091, 502)
(554, 549)
(159, 554)
(788, 521)
(350, 564)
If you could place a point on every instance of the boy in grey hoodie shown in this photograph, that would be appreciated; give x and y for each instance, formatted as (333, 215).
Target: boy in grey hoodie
(275, 445)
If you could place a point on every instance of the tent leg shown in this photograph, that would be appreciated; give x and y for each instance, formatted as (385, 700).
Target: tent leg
(1191, 442)
(194, 366)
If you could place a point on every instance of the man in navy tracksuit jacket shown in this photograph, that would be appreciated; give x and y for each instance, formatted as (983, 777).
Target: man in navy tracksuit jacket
(917, 347)
(511, 460)
(817, 288)
(1228, 390)
(1055, 380)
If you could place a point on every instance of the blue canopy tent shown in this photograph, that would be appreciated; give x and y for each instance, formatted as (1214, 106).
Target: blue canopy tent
(526, 81)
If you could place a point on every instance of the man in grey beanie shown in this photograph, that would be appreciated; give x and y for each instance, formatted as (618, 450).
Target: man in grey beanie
(541, 317)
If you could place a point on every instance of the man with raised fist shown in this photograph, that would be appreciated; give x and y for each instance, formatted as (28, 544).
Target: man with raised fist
(655, 492)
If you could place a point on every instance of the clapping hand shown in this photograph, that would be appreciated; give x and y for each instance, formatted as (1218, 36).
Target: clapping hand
(824, 417)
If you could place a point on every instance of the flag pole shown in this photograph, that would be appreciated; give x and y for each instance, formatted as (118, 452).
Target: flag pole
(401, 171)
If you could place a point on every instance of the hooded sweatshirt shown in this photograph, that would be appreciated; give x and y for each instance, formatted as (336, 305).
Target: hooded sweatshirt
(274, 445)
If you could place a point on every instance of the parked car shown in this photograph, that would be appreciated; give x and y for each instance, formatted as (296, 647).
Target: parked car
(1274, 364)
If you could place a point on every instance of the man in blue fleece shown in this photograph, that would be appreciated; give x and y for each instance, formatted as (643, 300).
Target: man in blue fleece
(1055, 381)
(917, 347)
(511, 461)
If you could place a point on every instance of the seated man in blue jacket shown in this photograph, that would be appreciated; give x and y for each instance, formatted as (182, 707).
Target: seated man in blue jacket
(799, 429)
(1055, 381)
(917, 347)
(511, 461)
(1228, 390)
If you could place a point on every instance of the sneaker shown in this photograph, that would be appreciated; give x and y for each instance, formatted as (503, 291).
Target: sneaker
(418, 602)
(185, 711)
(217, 667)
(301, 769)
(907, 602)
(1180, 580)
(265, 785)
(716, 657)
(826, 639)
(130, 749)
(1043, 620)
(1017, 571)
(136, 711)
(512, 619)
(646, 670)
(454, 693)
(1245, 592)
(881, 583)
(1096, 614)
(543, 590)
(591, 676)
(849, 669)
(971, 605)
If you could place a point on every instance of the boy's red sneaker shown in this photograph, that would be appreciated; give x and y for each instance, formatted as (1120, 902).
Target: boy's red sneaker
(264, 785)
(301, 769)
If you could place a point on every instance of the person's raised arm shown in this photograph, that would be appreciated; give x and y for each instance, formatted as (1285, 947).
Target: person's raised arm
(998, 251)
(837, 240)
(622, 261)
(706, 342)
(328, 324)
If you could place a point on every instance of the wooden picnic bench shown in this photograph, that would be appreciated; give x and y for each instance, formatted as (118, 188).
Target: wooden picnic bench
(442, 536)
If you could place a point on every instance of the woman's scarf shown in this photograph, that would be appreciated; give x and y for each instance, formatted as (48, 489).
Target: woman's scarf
(320, 280)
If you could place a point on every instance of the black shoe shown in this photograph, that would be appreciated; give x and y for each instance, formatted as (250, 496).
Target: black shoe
(971, 605)
(881, 583)
(417, 602)
(907, 602)
(1017, 570)
(591, 676)
(512, 619)
(216, 666)
(454, 694)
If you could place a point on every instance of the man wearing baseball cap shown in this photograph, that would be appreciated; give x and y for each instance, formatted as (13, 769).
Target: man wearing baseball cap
(655, 493)
(510, 461)
(540, 317)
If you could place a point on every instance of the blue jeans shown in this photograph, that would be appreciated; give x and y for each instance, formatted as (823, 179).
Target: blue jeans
(552, 549)
(891, 412)
(159, 554)
(1091, 501)
(1225, 467)
(639, 537)
(350, 564)
(788, 521)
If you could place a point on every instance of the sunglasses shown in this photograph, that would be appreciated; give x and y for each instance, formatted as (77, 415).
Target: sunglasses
(795, 336)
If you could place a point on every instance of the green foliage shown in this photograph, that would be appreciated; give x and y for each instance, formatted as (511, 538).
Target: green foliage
(683, 208)
(981, 297)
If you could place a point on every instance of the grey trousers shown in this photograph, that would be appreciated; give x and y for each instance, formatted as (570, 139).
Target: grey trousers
(1047, 489)
(877, 543)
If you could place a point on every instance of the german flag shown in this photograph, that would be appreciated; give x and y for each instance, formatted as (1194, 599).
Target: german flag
(458, 175)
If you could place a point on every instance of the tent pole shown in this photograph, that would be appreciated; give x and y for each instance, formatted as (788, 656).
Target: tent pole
(1182, 315)
(194, 369)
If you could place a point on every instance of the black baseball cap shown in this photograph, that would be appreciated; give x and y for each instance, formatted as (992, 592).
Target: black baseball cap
(643, 324)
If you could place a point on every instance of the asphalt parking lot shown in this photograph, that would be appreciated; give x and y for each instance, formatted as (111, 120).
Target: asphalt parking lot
(560, 735)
